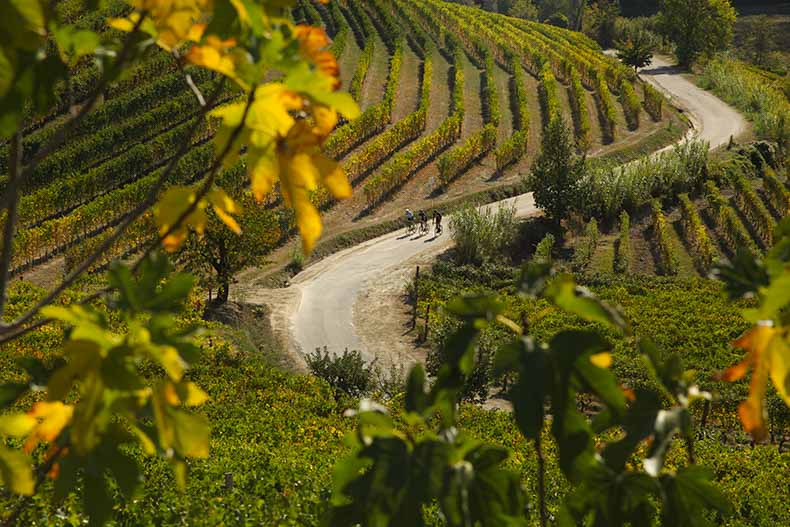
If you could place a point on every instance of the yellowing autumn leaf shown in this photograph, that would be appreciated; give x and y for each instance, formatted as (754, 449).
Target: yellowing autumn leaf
(766, 354)
(170, 208)
(602, 360)
(218, 55)
(51, 418)
(170, 22)
(16, 425)
(224, 207)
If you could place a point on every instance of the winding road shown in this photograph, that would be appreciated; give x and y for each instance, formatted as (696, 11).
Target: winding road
(322, 312)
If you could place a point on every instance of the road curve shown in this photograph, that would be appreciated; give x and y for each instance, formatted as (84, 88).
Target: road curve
(328, 290)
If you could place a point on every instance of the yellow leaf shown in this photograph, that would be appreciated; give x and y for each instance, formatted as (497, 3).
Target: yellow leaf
(16, 425)
(172, 21)
(333, 177)
(780, 367)
(169, 358)
(602, 360)
(190, 394)
(171, 207)
(220, 56)
(224, 206)
(15, 471)
(51, 418)
(264, 171)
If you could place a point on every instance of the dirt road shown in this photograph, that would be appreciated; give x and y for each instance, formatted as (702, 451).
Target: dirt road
(321, 311)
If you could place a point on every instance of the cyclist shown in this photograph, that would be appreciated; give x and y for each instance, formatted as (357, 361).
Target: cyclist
(437, 222)
(423, 222)
(409, 221)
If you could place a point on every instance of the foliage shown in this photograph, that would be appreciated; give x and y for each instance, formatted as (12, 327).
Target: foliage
(606, 109)
(778, 194)
(548, 95)
(556, 174)
(490, 95)
(622, 261)
(667, 257)
(544, 249)
(752, 206)
(636, 51)
(581, 120)
(600, 20)
(404, 472)
(697, 26)
(347, 373)
(766, 343)
(115, 406)
(482, 235)
(608, 190)
(524, 9)
(585, 249)
(514, 147)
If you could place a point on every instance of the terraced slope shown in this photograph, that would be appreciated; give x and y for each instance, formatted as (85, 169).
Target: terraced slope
(454, 101)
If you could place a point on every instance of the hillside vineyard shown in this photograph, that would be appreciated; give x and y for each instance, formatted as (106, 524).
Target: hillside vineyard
(445, 90)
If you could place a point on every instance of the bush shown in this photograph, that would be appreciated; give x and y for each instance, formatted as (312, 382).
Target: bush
(668, 259)
(347, 373)
(653, 102)
(699, 242)
(734, 234)
(544, 249)
(483, 235)
(778, 194)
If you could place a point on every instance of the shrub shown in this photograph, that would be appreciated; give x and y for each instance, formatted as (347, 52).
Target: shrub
(585, 249)
(347, 373)
(608, 190)
(544, 249)
(667, 258)
(699, 242)
(622, 261)
(484, 234)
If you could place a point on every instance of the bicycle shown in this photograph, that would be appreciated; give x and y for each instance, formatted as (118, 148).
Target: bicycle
(423, 227)
(411, 228)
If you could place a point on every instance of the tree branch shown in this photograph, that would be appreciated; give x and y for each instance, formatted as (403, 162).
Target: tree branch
(15, 329)
(188, 78)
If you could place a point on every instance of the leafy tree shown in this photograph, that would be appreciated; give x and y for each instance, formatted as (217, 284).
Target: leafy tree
(219, 253)
(760, 40)
(557, 172)
(559, 20)
(636, 51)
(600, 20)
(697, 26)
(524, 9)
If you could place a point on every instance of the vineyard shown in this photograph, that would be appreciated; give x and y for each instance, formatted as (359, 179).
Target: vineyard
(454, 102)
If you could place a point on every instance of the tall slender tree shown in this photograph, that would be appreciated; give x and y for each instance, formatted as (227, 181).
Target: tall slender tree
(697, 27)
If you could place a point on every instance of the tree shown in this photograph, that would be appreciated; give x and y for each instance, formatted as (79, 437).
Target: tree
(697, 26)
(599, 21)
(524, 9)
(557, 172)
(761, 40)
(559, 20)
(217, 255)
(636, 51)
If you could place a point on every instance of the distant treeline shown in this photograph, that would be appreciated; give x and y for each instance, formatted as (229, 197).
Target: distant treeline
(650, 7)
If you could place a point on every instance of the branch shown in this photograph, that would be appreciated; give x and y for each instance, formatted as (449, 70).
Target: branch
(15, 166)
(188, 79)
(15, 329)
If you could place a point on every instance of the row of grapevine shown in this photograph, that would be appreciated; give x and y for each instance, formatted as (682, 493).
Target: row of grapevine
(399, 169)
(373, 120)
(623, 256)
(653, 102)
(734, 234)
(700, 244)
(326, 17)
(457, 100)
(606, 110)
(491, 112)
(385, 22)
(630, 103)
(361, 71)
(515, 146)
(52, 236)
(778, 194)
(144, 98)
(581, 119)
(416, 36)
(753, 208)
(548, 94)
(667, 258)
(461, 157)
(65, 193)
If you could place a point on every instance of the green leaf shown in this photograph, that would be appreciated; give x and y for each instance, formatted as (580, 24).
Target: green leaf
(689, 496)
(602, 383)
(564, 293)
(96, 499)
(74, 43)
(416, 399)
(191, 434)
(15, 471)
(10, 392)
(534, 383)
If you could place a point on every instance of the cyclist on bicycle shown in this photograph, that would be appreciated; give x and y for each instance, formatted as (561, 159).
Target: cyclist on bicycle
(409, 220)
(437, 222)
(423, 222)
